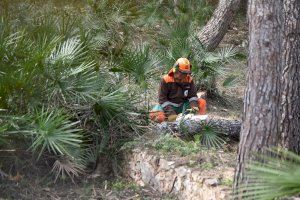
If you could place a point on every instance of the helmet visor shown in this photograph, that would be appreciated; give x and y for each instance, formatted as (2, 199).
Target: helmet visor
(185, 71)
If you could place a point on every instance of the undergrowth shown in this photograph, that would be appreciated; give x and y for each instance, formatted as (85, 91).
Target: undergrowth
(169, 143)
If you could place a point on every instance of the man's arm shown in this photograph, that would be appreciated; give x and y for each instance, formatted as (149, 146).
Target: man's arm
(163, 98)
(192, 96)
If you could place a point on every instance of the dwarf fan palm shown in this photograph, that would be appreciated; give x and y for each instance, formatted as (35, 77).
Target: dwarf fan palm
(53, 130)
(21, 63)
(40, 64)
(64, 167)
(140, 63)
(276, 176)
(117, 105)
(109, 24)
(210, 137)
(70, 77)
(67, 53)
(211, 65)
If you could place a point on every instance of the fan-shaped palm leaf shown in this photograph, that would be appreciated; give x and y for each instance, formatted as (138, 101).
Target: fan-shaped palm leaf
(117, 105)
(178, 48)
(210, 137)
(20, 64)
(53, 130)
(76, 84)
(150, 14)
(276, 176)
(66, 167)
(67, 52)
(139, 63)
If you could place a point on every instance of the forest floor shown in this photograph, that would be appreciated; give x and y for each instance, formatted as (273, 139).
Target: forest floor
(33, 181)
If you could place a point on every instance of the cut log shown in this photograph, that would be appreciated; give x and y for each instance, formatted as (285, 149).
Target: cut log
(229, 127)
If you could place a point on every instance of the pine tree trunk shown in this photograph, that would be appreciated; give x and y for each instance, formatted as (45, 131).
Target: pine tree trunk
(260, 127)
(290, 122)
(243, 6)
(214, 31)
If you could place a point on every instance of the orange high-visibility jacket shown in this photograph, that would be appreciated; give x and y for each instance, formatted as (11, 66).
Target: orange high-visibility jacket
(173, 93)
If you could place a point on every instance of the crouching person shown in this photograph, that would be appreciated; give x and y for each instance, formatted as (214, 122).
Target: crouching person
(177, 93)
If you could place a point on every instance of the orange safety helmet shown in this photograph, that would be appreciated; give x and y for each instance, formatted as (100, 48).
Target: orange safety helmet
(183, 65)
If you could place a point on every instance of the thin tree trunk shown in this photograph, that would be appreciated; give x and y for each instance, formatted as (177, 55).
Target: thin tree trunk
(290, 122)
(176, 4)
(260, 127)
(214, 31)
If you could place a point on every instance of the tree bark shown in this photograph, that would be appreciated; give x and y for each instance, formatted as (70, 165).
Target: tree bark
(260, 127)
(214, 31)
(290, 122)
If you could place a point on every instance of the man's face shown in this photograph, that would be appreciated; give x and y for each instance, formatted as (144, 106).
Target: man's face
(180, 76)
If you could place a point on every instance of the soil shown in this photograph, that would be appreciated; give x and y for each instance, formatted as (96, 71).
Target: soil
(22, 178)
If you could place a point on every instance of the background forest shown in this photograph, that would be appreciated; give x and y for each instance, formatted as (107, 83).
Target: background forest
(78, 78)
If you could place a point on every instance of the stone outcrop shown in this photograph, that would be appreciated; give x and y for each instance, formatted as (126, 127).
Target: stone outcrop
(180, 176)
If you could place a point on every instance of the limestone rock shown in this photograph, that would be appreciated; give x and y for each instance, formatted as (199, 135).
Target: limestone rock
(169, 176)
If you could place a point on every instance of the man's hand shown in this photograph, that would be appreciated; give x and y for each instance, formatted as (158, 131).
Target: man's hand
(193, 110)
(172, 118)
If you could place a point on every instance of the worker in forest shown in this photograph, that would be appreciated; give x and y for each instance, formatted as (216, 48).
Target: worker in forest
(177, 94)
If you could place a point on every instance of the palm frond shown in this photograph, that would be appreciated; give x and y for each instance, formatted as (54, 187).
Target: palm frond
(53, 131)
(138, 62)
(227, 53)
(76, 84)
(202, 11)
(101, 40)
(117, 105)
(67, 52)
(150, 14)
(66, 167)
(108, 24)
(178, 48)
(277, 175)
(210, 137)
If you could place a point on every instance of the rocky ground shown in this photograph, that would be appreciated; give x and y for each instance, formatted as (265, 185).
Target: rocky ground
(185, 170)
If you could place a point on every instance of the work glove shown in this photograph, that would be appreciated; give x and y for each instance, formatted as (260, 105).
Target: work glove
(193, 110)
(172, 118)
